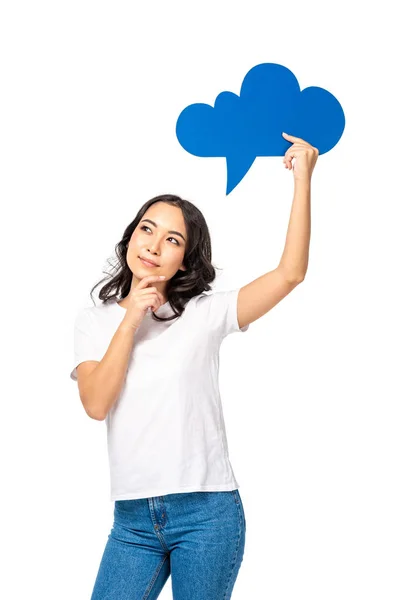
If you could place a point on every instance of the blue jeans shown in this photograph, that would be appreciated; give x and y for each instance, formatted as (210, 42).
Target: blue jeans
(198, 538)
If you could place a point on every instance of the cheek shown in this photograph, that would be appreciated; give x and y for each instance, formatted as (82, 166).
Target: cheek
(172, 258)
(137, 241)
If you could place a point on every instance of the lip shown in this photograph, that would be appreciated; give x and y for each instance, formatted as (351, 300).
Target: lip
(148, 263)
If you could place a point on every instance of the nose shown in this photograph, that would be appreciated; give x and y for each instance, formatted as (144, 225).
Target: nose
(154, 247)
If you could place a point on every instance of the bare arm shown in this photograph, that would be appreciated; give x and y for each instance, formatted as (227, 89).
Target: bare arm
(100, 383)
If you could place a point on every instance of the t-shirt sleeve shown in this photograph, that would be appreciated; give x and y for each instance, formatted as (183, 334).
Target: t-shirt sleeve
(221, 312)
(85, 346)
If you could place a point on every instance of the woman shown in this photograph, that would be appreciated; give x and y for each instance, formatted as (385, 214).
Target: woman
(146, 361)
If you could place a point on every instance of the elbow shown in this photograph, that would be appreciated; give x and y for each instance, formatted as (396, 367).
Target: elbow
(96, 417)
(92, 412)
(297, 278)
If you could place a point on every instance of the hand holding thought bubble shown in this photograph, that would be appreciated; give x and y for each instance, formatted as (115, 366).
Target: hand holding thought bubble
(240, 128)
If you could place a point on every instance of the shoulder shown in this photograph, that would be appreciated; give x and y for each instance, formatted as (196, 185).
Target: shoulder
(199, 302)
(216, 297)
(92, 314)
(215, 301)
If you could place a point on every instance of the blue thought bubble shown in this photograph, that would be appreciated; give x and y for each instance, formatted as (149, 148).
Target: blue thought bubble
(240, 128)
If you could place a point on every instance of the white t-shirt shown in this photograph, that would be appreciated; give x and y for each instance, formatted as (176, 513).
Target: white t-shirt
(166, 431)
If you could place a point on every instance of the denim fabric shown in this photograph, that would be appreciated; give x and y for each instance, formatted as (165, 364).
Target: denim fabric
(198, 538)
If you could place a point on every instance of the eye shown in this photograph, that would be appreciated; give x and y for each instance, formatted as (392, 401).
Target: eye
(170, 238)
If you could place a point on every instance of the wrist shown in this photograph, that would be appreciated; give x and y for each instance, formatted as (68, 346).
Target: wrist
(127, 327)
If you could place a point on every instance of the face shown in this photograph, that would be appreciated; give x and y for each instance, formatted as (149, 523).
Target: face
(154, 241)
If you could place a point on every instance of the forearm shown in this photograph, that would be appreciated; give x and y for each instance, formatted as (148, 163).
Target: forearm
(294, 261)
(105, 383)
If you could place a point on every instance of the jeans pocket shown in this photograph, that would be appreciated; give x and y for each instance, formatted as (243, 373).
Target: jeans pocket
(239, 502)
(235, 495)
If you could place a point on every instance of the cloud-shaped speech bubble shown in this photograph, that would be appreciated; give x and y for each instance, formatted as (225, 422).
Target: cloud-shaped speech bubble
(243, 127)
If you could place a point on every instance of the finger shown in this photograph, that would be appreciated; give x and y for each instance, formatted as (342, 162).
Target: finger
(150, 301)
(286, 161)
(292, 138)
(290, 154)
(297, 148)
(146, 280)
(157, 301)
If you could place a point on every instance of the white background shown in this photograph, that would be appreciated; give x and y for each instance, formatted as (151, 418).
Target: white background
(91, 92)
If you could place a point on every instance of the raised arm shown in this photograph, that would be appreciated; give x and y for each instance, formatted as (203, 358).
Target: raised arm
(259, 296)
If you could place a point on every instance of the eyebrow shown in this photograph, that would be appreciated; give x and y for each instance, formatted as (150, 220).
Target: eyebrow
(155, 225)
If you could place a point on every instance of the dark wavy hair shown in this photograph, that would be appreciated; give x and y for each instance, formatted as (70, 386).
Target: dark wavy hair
(184, 284)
